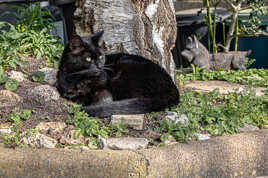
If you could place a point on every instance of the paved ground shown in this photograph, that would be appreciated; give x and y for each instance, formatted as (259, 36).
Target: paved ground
(224, 87)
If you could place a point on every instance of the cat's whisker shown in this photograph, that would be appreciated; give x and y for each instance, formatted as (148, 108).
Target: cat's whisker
(106, 68)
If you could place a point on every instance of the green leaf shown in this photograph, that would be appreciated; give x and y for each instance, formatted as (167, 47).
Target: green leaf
(38, 76)
(164, 137)
(1, 71)
(11, 84)
(3, 79)
(77, 134)
(26, 114)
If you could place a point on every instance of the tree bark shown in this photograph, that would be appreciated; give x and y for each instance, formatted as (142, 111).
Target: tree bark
(144, 27)
(231, 32)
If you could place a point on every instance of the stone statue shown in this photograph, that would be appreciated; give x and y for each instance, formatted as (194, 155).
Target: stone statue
(197, 54)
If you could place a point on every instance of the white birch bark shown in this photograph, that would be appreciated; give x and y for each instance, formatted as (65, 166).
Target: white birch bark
(144, 27)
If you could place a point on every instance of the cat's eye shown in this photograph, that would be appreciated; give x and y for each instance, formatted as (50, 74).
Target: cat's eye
(88, 59)
(100, 57)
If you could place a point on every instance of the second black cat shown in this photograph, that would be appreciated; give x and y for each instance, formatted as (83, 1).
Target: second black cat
(115, 83)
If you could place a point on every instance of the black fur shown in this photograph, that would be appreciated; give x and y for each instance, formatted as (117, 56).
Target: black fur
(113, 84)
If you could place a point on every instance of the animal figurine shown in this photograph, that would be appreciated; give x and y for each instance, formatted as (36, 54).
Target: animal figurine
(197, 54)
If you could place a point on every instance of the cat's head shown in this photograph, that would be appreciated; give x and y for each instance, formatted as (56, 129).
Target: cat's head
(239, 59)
(89, 48)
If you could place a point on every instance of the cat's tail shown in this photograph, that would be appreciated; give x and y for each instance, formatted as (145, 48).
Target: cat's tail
(129, 106)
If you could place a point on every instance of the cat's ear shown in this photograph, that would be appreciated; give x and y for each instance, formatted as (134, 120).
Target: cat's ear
(97, 38)
(76, 44)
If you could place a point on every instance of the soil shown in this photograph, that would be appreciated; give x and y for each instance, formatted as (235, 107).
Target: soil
(44, 111)
(54, 110)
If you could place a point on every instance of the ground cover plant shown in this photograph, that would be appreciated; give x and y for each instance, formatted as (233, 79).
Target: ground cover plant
(210, 113)
(17, 118)
(224, 114)
(214, 114)
(33, 17)
(30, 37)
(207, 113)
(236, 28)
(252, 77)
(92, 127)
(10, 84)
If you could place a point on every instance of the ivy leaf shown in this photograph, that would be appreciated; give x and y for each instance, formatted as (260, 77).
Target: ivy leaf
(26, 114)
(1, 70)
(3, 79)
(11, 84)
(38, 76)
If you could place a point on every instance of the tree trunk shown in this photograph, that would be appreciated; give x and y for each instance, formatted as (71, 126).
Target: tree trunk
(231, 32)
(144, 27)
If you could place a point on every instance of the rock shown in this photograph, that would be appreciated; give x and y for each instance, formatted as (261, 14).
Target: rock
(44, 93)
(255, 76)
(69, 138)
(182, 119)
(63, 140)
(202, 137)
(69, 141)
(84, 148)
(8, 98)
(248, 128)
(50, 75)
(170, 139)
(45, 127)
(134, 121)
(123, 143)
(5, 128)
(152, 135)
(173, 116)
(19, 76)
(259, 94)
(223, 86)
(38, 140)
(242, 91)
(76, 147)
(52, 129)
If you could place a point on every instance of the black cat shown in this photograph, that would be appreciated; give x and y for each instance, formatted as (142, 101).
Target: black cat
(115, 83)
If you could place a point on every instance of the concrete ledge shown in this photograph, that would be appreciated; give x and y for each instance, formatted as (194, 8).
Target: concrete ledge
(241, 155)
